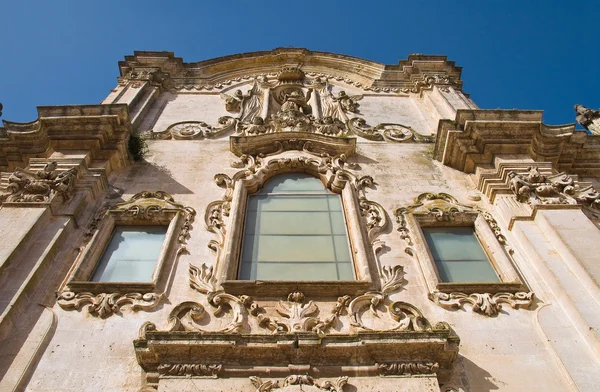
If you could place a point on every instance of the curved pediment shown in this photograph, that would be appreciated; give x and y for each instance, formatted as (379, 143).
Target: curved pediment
(411, 75)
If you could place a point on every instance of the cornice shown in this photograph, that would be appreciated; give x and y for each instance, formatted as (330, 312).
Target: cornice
(102, 129)
(412, 75)
(475, 137)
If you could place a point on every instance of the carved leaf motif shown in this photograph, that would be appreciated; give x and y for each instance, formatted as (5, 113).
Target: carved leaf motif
(107, 304)
(186, 370)
(392, 277)
(201, 279)
(484, 303)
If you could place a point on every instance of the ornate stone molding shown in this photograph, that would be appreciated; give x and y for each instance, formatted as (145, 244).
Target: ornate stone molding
(476, 137)
(258, 170)
(387, 132)
(267, 386)
(407, 368)
(39, 186)
(189, 370)
(484, 303)
(106, 304)
(194, 130)
(441, 210)
(106, 298)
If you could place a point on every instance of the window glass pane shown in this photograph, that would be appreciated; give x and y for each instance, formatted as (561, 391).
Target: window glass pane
(288, 203)
(293, 183)
(131, 254)
(295, 237)
(458, 255)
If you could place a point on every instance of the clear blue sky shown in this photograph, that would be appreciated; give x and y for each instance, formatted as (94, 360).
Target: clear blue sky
(515, 54)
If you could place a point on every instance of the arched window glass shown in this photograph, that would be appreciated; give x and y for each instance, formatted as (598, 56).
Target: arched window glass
(295, 230)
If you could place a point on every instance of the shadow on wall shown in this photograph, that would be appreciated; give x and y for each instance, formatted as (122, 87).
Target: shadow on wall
(144, 175)
(468, 377)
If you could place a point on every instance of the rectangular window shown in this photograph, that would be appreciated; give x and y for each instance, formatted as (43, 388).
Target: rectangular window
(295, 230)
(131, 254)
(458, 255)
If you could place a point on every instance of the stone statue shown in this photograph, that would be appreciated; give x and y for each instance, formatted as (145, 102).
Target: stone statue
(296, 101)
(337, 106)
(249, 105)
(588, 118)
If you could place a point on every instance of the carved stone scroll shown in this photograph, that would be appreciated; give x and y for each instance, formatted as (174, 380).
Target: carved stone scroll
(387, 131)
(193, 130)
(104, 305)
(484, 303)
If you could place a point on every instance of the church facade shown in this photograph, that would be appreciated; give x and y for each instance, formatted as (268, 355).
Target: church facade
(292, 220)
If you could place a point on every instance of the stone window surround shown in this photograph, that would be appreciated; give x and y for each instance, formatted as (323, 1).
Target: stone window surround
(499, 260)
(124, 214)
(335, 178)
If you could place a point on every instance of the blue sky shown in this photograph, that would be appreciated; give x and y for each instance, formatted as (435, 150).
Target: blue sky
(515, 54)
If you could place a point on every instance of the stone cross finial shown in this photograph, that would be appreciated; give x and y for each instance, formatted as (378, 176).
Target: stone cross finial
(588, 118)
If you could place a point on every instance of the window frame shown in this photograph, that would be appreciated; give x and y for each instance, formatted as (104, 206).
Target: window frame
(143, 209)
(443, 210)
(335, 178)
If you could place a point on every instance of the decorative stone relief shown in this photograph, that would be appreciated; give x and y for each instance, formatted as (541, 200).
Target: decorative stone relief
(267, 386)
(387, 131)
(39, 186)
(299, 315)
(443, 207)
(106, 304)
(193, 130)
(485, 303)
(535, 188)
(189, 370)
(407, 368)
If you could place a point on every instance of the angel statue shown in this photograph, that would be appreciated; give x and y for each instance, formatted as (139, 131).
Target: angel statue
(249, 105)
(337, 107)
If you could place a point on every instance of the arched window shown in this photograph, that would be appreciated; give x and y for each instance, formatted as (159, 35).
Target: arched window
(295, 230)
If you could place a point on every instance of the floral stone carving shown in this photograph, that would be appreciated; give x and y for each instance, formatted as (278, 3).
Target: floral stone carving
(299, 315)
(193, 130)
(267, 386)
(484, 303)
(39, 186)
(189, 370)
(107, 304)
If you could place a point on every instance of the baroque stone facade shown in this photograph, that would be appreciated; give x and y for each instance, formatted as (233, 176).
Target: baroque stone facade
(408, 153)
